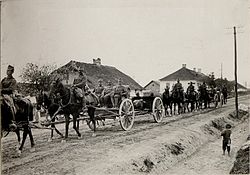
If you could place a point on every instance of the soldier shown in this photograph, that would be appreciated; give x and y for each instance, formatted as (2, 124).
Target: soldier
(166, 98)
(190, 88)
(226, 142)
(178, 85)
(79, 85)
(119, 93)
(8, 88)
(224, 91)
(99, 91)
(108, 94)
(204, 95)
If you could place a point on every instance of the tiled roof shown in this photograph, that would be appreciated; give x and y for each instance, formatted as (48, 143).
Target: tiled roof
(95, 72)
(185, 74)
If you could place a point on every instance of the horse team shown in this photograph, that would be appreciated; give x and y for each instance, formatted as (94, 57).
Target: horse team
(178, 101)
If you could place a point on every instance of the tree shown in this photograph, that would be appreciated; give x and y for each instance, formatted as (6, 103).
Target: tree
(38, 76)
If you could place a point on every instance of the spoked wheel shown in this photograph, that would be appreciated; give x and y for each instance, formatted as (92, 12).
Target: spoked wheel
(158, 109)
(126, 114)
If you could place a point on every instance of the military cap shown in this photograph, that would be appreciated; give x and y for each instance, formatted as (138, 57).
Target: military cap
(228, 126)
(11, 68)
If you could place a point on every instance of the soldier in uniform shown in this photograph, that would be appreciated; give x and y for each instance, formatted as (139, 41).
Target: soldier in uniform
(79, 85)
(8, 88)
(224, 92)
(204, 95)
(108, 94)
(99, 91)
(190, 88)
(119, 93)
(178, 86)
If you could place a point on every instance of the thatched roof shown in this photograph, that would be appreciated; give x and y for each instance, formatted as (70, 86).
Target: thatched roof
(185, 74)
(95, 72)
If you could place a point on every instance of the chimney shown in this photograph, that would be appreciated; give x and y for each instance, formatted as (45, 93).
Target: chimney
(98, 61)
(184, 65)
(199, 70)
(194, 69)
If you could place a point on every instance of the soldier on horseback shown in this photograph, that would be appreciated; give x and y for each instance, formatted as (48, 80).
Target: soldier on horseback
(166, 97)
(178, 86)
(79, 87)
(204, 94)
(224, 92)
(190, 88)
(8, 88)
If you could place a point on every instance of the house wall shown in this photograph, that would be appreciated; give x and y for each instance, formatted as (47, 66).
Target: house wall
(184, 84)
(153, 86)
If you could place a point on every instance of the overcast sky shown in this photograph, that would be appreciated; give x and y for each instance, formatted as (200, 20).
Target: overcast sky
(146, 39)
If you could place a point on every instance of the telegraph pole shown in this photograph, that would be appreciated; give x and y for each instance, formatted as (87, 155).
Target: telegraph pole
(235, 73)
(221, 75)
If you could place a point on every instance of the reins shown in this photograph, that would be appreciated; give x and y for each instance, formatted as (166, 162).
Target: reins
(61, 104)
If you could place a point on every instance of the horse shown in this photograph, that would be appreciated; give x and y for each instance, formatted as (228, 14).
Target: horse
(45, 100)
(177, 98)
(70, 106)
(24, 114)
(167, 101)
(191, 99)
(204, 98)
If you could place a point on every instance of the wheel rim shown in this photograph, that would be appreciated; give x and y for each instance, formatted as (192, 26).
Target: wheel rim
(158, 109)
(126, 114)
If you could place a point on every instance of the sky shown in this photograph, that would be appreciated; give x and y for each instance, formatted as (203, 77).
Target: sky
(146, 39)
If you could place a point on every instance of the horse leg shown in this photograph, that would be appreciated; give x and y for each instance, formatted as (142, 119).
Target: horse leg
(192, 106)
(32, 142)
(78, 125)
(75, 125)
(174, 107)
(54, 128)
(25, 133)
(91, 113)
(18, 136)
(66, 126)
(170, 106)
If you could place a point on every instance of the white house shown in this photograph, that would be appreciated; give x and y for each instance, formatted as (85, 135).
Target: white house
(185, 75)
(153, 86)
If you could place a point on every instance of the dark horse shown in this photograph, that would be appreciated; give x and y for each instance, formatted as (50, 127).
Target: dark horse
(70, 106)
(24, 114)
(191, 97)
(177, 98)
(52, 106)
(167, 101)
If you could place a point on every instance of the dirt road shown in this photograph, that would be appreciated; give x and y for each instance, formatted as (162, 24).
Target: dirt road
(147, 148)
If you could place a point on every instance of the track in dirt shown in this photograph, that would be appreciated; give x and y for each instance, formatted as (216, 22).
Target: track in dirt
(57, 157)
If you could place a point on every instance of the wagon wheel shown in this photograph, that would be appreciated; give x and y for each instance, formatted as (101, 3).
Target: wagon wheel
(126, 114)
(158, 109)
